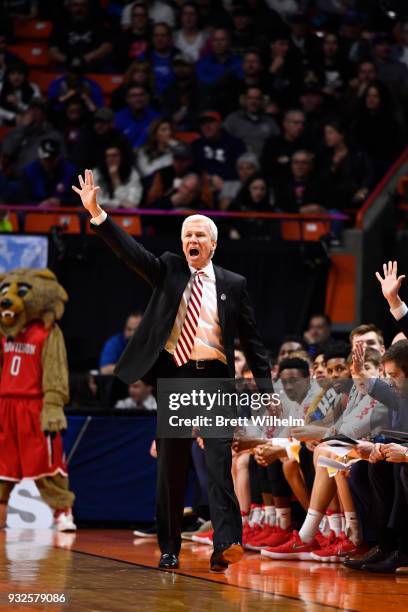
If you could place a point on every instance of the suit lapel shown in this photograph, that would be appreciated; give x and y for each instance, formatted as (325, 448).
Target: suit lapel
(180, 283)
(222, 293)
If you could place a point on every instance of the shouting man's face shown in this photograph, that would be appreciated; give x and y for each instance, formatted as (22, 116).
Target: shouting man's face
(198, 245)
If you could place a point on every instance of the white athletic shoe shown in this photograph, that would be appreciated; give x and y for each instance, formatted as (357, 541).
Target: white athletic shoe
(64, 521)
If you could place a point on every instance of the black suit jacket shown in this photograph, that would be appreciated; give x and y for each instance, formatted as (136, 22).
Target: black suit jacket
(168, 275)
(403, 324)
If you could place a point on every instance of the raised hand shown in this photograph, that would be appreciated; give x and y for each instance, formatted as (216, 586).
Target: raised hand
(87, 193)
(391, 283)
(358, 359)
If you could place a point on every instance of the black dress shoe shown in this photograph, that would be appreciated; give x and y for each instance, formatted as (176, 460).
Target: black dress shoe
(168, 561)
(388, 565)
(224, 555)
(374, 555)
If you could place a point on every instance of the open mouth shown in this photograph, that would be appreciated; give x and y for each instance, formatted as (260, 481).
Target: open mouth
(193, 252)
(8, 314)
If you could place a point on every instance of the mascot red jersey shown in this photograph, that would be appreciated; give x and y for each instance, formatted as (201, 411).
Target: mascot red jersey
(33, 389)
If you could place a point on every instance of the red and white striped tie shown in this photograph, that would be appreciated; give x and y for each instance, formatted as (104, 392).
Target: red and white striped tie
(187, 335)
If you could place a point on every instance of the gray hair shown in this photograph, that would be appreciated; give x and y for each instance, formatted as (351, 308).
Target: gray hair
(211, 225)
(248, 158)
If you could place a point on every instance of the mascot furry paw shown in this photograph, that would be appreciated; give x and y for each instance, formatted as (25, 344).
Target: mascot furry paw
(33, 389)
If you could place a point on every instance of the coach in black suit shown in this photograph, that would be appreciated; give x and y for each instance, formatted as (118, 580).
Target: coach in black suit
(225, 313)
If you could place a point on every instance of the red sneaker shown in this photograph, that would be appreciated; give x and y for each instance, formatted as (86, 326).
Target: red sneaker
(251, 533)
(293, 548)
(279, 537)
(257, 540)
(335, 550)
(323, 540)
(204, 538)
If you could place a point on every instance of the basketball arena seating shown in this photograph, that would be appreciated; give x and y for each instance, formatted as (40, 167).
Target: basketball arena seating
(66, 221)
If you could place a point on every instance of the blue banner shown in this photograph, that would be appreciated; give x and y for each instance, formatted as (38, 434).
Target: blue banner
(23, 252)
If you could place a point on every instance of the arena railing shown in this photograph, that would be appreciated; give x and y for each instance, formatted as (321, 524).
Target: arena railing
(73, 220)
(380, 190)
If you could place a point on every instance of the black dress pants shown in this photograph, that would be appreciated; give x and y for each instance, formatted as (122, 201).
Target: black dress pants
(173, 459)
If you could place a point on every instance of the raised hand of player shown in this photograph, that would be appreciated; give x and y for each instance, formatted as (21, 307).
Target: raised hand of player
(391, 283)
(358, 359)
(87, 192)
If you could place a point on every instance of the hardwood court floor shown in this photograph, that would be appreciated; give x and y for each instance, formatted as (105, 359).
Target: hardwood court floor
(109, 570)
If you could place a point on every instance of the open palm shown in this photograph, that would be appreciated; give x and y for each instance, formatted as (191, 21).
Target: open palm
(87, 192)
(391, 283)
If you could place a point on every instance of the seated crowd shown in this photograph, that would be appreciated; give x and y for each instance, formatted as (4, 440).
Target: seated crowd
(235, 105)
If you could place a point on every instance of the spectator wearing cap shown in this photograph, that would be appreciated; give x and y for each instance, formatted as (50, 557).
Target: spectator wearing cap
(392, 73)
(134, 43)
(247, 165)
(159, 12)
(20, 146)
(79, 39)
(278, 150)
(161, 57)
(183, 99)
(157, 153)
(190, 39)
(47, 181)
(134, 120)
(216, 152)
(16, 93)
(74, 84)
(138, 73)
(251, 124)
(119, 181)
(219, 61)
(167, 180)
(96, 136)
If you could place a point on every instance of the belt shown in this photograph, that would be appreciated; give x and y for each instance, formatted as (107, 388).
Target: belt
(203, 364)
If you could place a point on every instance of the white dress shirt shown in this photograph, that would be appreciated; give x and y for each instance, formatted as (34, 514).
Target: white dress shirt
(400, 311)
(208, 340)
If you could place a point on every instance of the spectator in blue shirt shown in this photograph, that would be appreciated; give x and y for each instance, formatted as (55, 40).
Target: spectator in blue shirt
(115, 345)
(47, 180)
(220, 61)
(161, 57)
(217, 152)
(74, 84)
(134, 120)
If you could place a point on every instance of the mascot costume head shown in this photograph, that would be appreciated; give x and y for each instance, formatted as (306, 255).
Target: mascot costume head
(29, 294)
